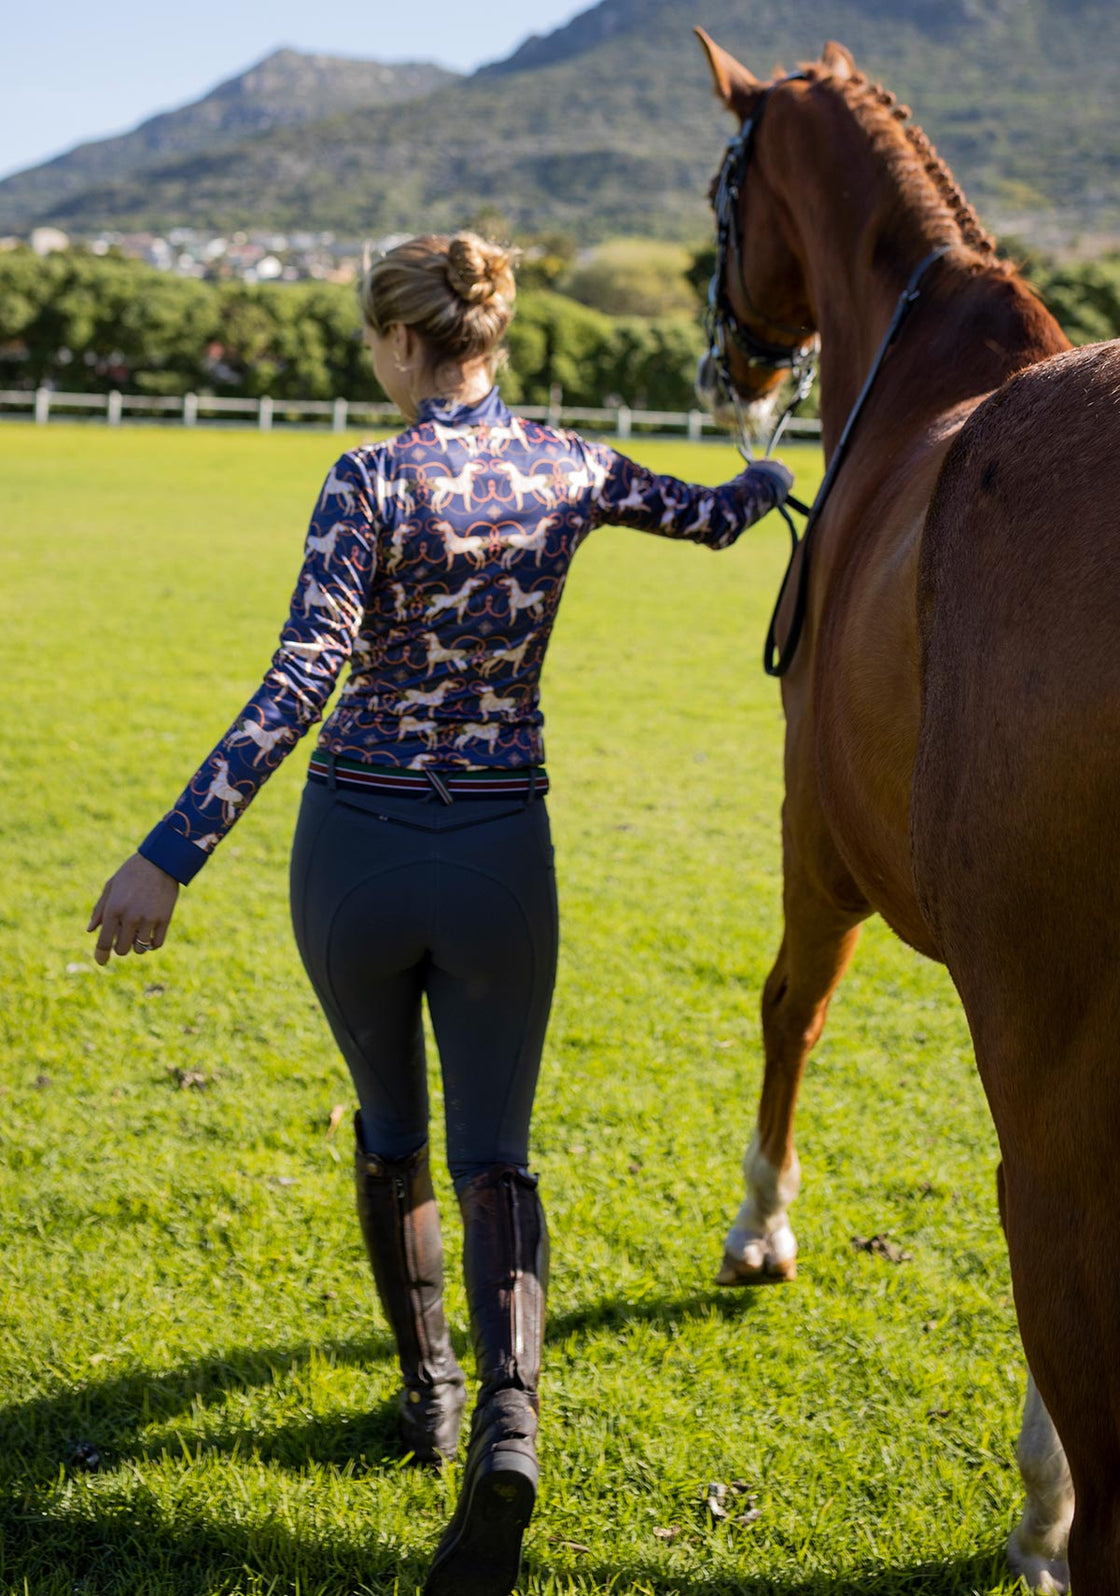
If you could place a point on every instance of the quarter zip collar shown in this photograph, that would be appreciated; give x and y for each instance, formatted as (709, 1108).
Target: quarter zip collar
(490, 410)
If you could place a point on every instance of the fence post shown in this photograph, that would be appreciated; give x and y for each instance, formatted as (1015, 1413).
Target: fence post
(265, 413)
(190, 409)
(555, 399)
(338, 415)
(42, 406)
(624, 421)
(113, 408)
(695, 424)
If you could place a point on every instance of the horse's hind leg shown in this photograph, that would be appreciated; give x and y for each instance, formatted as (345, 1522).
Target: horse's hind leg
(1059, 1136)
(1045, 1034)
(1039, 1544)
(816, 949)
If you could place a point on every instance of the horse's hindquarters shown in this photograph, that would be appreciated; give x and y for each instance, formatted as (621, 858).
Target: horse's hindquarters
(1015, 829)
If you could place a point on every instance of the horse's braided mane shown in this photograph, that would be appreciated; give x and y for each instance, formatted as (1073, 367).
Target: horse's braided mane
(859, 91)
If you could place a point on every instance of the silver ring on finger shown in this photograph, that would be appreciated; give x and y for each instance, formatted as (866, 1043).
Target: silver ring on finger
(141, 947)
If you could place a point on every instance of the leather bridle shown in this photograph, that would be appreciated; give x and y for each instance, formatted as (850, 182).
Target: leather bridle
(724, 327)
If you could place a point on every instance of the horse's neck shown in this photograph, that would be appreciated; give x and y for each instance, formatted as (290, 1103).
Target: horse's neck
(968, 332)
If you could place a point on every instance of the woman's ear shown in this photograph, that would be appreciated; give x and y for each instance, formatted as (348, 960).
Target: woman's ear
(404, 345)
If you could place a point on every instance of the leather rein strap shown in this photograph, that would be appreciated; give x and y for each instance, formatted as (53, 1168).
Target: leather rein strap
(776, 661)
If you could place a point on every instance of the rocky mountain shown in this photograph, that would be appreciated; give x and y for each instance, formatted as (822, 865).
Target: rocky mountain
(286, 89)
(607, 125)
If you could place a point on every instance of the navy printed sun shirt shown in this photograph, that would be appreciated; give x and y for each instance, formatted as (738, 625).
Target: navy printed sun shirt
(434, 566)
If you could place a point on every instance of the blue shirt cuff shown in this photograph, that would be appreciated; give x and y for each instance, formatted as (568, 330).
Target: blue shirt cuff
(170, 850)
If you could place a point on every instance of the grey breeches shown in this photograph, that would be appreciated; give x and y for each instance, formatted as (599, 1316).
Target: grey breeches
(395, 899)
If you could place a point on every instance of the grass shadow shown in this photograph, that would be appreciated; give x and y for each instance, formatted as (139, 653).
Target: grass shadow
(39, 1436)
(57, 1539)
(957, 1576)
(137, 1553)
(615, 1313)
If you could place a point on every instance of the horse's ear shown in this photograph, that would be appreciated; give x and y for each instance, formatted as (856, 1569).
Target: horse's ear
(733, 84)
(840, 62)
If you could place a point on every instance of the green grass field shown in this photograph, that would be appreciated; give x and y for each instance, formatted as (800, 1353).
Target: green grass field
(181, 1280)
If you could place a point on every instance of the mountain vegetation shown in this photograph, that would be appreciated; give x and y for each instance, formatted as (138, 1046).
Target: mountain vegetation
(607, 126)
(284, 90)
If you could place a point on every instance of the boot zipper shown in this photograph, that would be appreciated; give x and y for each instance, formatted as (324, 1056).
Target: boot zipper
(515, 1327)
(419, 1327)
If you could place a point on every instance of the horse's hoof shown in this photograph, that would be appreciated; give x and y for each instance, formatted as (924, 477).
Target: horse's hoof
(1049, 1575)
(757, 1268)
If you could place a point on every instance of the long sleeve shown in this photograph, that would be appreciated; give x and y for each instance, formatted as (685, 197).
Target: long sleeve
(340, 559)
(627, 494)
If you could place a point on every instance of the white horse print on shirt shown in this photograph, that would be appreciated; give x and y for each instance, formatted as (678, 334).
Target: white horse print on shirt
(317, 598)
(634, 500)
(446, 436)
(476, 732)
(490, 704)
(412, 726)
(325, 545)
(453, 601)
(221, 791)
(337, 487)
(703, 517)
(402, 531)
(520, 600)
(416, 699)
(589, 477)
(473, 547)
(497, 439)
(522, 486)
(388, 489)
(506, 656)
(438, 655)
(443, 489)
(252, 732)
(529, 542)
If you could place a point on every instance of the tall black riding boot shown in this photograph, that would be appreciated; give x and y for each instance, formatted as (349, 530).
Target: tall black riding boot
(400, 1225)
(505, 1262)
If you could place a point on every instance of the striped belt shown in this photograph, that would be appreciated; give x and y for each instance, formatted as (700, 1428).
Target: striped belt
(447, 785)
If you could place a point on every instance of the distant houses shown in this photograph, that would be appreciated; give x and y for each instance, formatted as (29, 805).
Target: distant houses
(249, 257)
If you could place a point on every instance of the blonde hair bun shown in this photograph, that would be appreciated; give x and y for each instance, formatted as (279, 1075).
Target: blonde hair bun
(477, 269)
(457, 293)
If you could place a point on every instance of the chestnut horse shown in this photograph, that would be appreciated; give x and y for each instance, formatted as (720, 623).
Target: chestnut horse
(952, 715)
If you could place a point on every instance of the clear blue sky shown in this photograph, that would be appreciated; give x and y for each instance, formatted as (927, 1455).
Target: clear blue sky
(80, 71)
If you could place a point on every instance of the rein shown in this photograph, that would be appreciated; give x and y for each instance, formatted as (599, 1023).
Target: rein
(777, 661)
(800, 359)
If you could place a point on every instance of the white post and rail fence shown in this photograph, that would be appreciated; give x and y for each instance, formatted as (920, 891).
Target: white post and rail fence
(189, 410)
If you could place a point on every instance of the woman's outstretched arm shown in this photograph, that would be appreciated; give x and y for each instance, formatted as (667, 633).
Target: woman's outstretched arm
(628, 494)
(340, 559)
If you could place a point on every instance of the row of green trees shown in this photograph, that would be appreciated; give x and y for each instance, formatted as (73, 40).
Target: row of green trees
(81, 322)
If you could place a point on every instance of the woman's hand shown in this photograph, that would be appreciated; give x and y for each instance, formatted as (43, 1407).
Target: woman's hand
(134, 909)
(774, 474)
